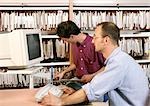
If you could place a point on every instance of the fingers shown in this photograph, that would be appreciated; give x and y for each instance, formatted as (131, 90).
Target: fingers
(58, 75)
(68, 90)
(50, 94)
(43, 101)
(83, 79)
(47, 99)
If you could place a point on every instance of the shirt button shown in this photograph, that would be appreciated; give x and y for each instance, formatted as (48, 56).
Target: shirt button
(84, 45)
(81, 68)
(91, 62)
(81, 59)
(81, 51)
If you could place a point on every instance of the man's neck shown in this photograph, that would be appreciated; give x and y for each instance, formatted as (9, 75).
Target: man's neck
(107, 52)
(81, 37)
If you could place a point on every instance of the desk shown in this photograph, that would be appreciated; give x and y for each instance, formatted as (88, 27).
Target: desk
(24, 97)
(18, 97)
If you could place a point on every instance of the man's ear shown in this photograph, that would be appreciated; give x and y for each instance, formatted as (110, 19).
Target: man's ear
(73, 36)
(106, 39)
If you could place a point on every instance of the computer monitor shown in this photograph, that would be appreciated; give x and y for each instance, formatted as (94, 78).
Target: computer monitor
(20, 48)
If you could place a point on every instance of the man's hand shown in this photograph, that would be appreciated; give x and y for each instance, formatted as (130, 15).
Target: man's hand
(68, 90)
(59, 75)
(87, 78)
(51, 100)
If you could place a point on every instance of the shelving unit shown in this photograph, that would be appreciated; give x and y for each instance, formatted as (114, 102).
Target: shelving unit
(53, 64)
(29, 71)
(142, 36)
(28, 7)
(85, 9)
(72, 6)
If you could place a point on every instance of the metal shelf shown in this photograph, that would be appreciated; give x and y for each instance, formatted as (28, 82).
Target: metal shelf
(143, 61)
(53, 64)
(33, 8)
(142, 34)
(50, 36)
(107, 8)
(22, 71)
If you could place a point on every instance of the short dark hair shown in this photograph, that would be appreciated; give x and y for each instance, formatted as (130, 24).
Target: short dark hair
(110, 29)
(66, 28)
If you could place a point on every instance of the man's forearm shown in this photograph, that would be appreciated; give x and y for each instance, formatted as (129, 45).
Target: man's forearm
(75, 98)
(71, 67)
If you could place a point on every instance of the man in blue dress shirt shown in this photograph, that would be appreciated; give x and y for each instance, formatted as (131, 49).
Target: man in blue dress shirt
(123, 80)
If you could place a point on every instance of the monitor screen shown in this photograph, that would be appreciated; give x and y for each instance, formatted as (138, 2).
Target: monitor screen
(33, 43)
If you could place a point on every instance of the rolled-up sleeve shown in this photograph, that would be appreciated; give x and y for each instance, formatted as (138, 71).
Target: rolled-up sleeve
(90, 93)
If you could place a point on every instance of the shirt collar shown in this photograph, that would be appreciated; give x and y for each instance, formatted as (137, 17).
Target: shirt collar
(115, 51)
(86, 40)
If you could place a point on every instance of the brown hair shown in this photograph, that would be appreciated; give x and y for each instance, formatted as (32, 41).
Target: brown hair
(111, 30)
(67, 28)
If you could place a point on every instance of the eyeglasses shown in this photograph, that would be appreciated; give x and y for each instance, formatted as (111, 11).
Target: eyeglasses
(96, 37)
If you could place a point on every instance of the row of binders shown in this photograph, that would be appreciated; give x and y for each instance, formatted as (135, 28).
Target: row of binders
(129, 20)
(53, 48)
(23, 80)
(36, 19)
(136, 46)
(45, 75)
(86, 20)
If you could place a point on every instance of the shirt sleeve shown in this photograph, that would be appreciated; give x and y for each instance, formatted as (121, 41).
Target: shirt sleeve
(90, 93)
(105, 81)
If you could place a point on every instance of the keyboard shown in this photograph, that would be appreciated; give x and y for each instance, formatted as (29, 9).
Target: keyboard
(55, 90)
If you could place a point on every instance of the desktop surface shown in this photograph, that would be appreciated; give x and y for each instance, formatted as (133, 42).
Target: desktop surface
(26, 97)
